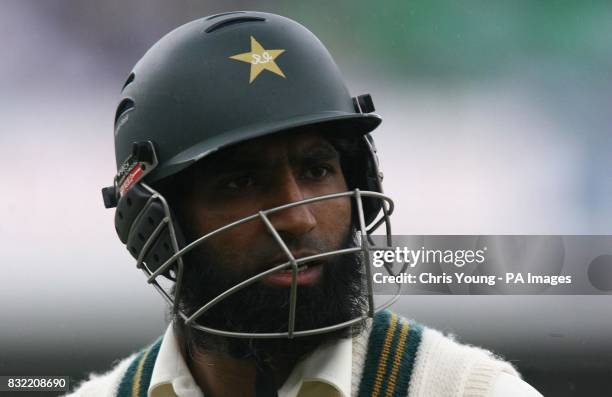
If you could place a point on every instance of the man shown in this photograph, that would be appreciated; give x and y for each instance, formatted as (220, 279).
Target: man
(248, 178)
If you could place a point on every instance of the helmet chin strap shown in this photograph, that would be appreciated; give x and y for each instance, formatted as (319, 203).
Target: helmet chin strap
(265, 385)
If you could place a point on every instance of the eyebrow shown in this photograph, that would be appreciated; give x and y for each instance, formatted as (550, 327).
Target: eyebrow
(235, 161)
(321, 151)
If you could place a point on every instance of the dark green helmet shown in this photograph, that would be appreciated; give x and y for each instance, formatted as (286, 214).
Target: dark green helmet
(230, 77)
(210, 84)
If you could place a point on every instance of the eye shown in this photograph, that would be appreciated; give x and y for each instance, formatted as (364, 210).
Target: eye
(241, 182)
(317, 172)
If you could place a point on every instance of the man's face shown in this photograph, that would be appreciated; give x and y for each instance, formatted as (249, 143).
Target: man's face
(240, 181)
(261, 174)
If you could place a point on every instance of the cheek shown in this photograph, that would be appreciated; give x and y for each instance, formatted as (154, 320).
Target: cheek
(204, 217)
(228, 249)
(334, 219)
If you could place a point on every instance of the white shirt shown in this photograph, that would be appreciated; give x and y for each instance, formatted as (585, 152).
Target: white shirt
(325, 372)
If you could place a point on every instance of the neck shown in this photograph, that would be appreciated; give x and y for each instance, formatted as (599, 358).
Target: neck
(220, 375)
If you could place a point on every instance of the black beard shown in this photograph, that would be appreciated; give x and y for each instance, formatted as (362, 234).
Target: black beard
(337, 297)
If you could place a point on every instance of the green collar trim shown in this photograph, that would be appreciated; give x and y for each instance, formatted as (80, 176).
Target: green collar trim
(135, 381)
(390, 359)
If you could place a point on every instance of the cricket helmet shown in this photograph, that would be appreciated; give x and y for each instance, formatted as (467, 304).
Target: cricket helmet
(213, 83)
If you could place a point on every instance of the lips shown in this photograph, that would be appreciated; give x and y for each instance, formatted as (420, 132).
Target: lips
(308, 273)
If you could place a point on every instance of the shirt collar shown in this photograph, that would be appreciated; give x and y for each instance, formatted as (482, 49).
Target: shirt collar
(328, 366)
(171, 376)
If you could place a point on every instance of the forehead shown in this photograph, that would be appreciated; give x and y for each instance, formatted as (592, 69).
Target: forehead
(291, 146)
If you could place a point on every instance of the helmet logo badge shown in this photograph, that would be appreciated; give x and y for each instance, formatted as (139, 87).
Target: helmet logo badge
(260, 59)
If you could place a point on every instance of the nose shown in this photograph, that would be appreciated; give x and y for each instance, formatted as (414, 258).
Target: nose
(294, 221)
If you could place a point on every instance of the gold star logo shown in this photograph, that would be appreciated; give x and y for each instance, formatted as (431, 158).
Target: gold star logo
(260, 59)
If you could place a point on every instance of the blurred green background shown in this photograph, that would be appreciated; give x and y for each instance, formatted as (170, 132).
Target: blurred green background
(497, 119)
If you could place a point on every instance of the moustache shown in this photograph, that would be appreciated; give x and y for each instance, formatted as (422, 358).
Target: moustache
(270, 254)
